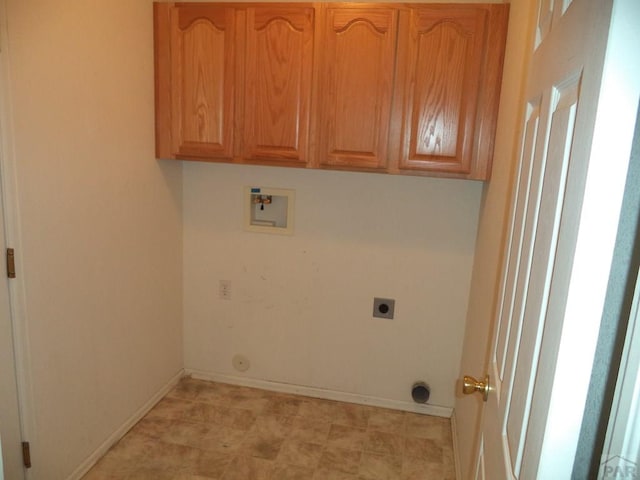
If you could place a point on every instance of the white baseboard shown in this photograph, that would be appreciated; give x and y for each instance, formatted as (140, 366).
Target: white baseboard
(456, 452)
(120, 432)
(326, 394)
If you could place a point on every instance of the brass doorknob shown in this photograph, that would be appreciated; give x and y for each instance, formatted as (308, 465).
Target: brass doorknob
(471, 385)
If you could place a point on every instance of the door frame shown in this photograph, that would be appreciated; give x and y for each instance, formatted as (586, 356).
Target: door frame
(10, 204)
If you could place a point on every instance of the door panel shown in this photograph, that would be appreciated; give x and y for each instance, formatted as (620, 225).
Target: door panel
(517, 235)
(557, 146)
(545, 16)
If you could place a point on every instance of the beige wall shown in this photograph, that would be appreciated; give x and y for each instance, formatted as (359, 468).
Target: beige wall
(102, 247)
(100, 219)
(301, 306)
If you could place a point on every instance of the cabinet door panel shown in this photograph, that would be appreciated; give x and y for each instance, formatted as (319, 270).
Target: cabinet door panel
(278, 83)
(445, 58)
(357, 85)
(202, 84)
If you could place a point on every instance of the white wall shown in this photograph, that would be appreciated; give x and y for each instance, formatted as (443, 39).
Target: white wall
(100, 220)
(301, 306)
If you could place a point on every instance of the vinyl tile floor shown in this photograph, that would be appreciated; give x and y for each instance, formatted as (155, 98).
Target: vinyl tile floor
(213, 431)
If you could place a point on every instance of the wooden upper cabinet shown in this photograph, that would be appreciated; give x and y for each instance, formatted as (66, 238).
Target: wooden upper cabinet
(449, 84)
(356, 85)
(398, 88)
(277, 93)
(195, 80)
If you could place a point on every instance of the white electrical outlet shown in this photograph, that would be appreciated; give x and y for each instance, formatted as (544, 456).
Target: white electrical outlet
(224, 291)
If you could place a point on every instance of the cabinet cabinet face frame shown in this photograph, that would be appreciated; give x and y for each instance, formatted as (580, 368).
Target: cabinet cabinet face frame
(356, 85)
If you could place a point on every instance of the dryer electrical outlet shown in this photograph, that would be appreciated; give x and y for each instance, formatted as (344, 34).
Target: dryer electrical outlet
(383, 307)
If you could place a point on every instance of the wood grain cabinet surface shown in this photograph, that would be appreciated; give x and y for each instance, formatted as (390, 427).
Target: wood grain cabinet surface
(448, 87)
(357, 63)
(395, 88)
(195, 81)
(277, 84)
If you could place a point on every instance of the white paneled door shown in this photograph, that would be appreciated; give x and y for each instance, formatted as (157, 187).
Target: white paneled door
(558, 248)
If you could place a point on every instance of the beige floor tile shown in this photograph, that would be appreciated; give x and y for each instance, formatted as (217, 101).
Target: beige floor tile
(272, 424)
(222, 439)
(309, 430)
(185, 433)
(216, 415)
(424, 449)
(169, 408)
(350, 414)
(324, 473)
(190, 476)
(301, 454)
(388, 421)
(216, 394)
(255, 405)
(345, 461)
(350, 438)
(208, 464)
(263, 445)
(284, 405)
(385, 443)
(447, 453)
(248, 468)
(113, 465)
(153, 473)
(204, 413)
(291, 472)
(247, 399)
(317, 409)
(417, 469)
(188, 389)
(96, 474)
(425, 426)
(379, 467)
(239, 418)
(170, 457)
(153, 427)
(132, 447)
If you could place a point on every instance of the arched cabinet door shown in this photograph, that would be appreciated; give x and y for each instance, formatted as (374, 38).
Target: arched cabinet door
(356, 85)
(277, 92)
(449, 81)
(195, 48)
